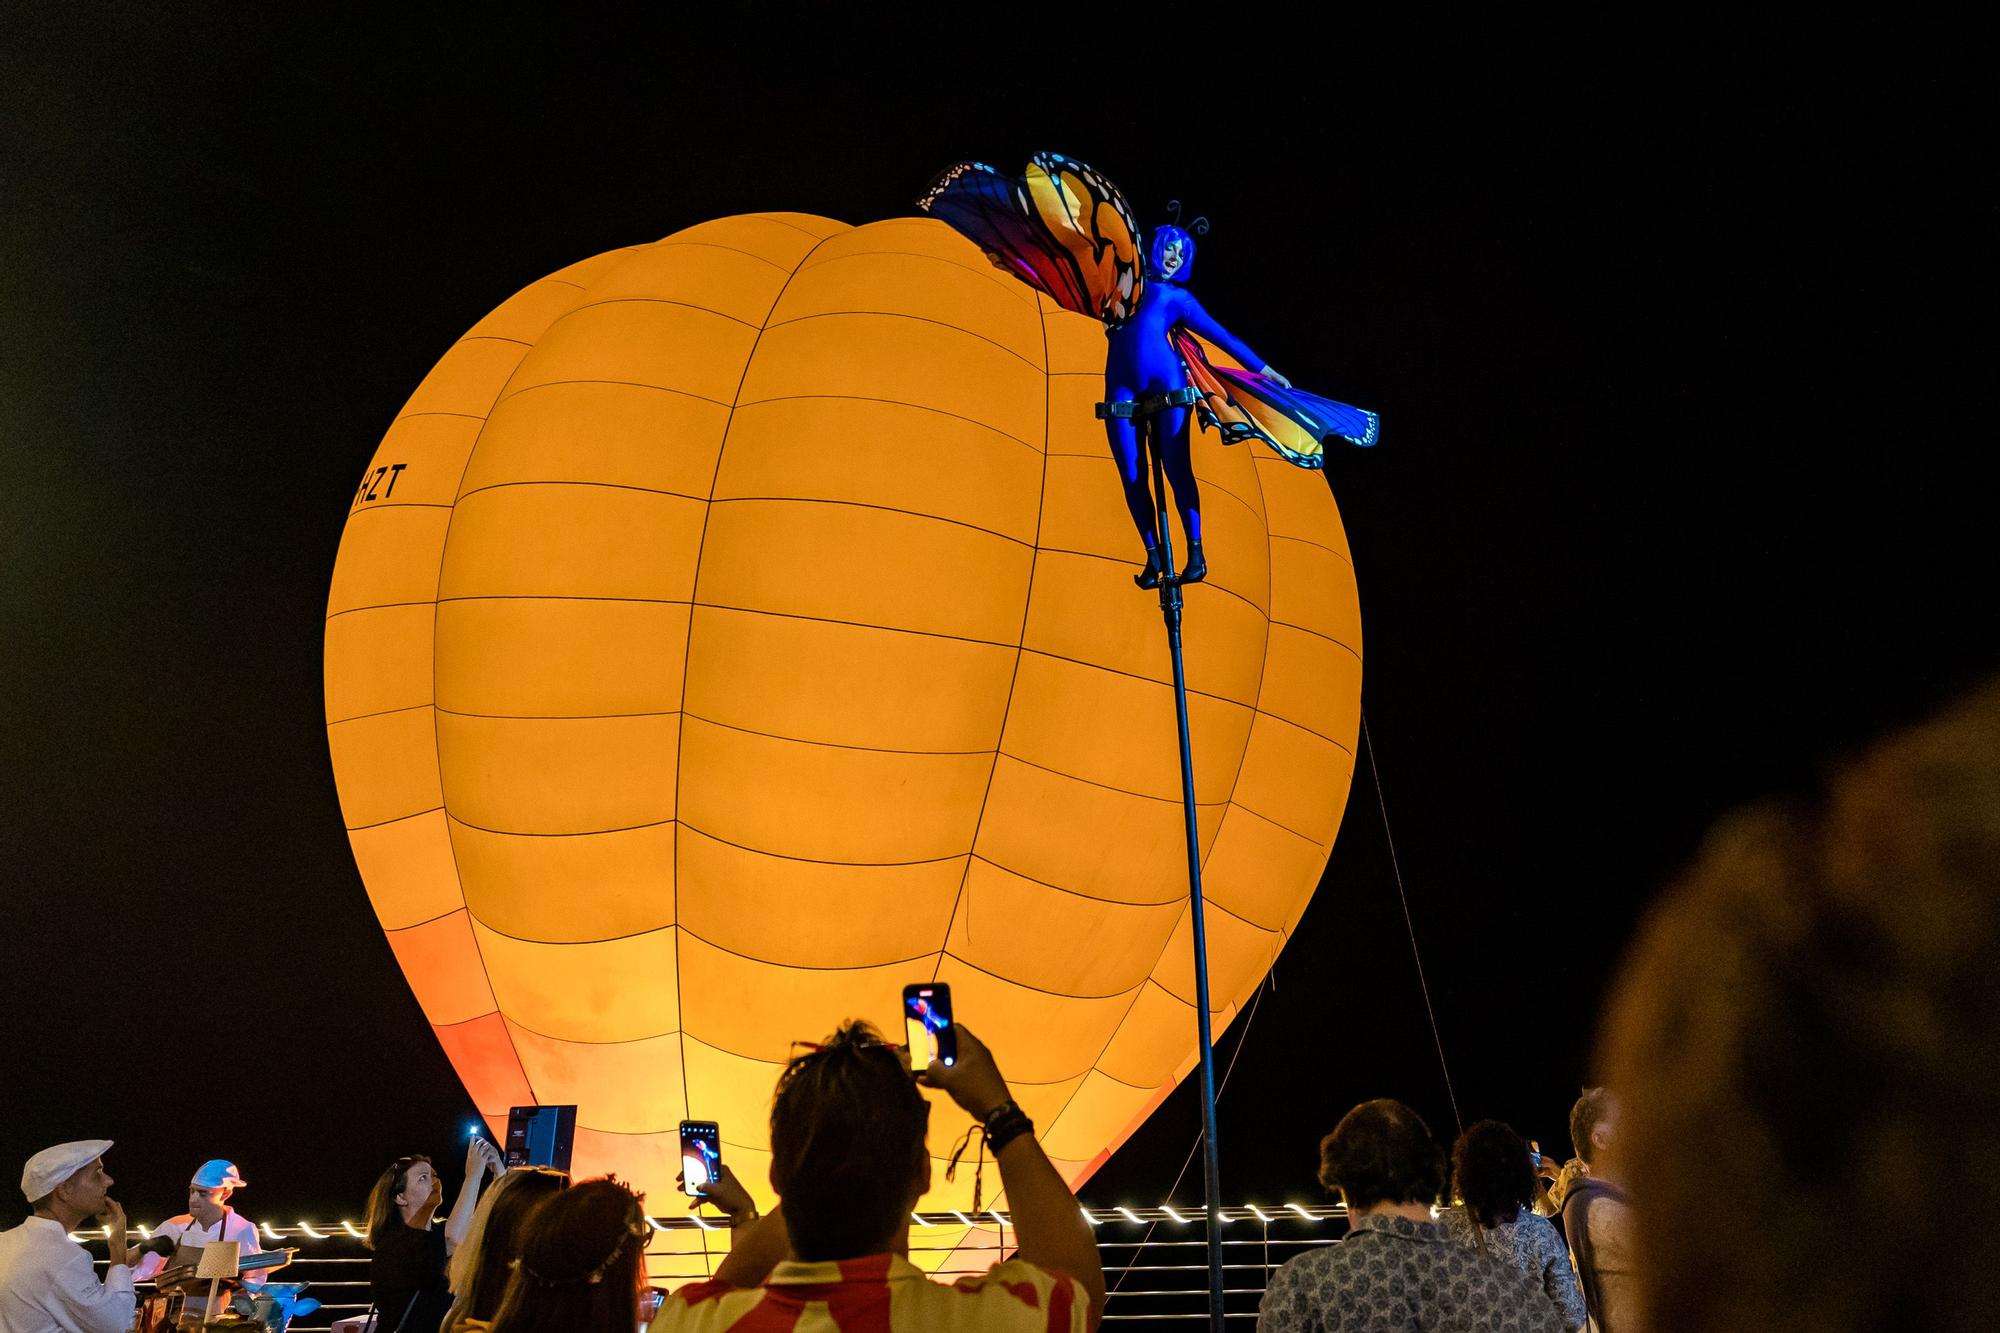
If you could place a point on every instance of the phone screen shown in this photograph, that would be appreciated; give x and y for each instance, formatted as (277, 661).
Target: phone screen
(701, 1155)
(927, 1025)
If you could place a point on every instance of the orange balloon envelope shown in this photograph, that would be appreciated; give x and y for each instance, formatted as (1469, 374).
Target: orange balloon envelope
(734, 628)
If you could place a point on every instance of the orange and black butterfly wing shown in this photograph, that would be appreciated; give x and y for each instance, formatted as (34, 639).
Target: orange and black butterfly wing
(1244, 405)
(1061, 227)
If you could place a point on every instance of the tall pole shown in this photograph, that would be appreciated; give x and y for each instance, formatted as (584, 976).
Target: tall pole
(1170, 610)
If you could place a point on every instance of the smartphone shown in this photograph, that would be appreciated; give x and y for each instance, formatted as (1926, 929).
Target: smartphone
(701, 1156)
(927, 1025)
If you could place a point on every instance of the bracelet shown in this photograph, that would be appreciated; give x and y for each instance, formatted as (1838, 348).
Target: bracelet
(1005, 1123)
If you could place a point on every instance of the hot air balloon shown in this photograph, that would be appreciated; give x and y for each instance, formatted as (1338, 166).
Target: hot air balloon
(733, 628)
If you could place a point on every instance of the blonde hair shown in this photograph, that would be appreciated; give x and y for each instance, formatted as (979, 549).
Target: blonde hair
(481, 1265)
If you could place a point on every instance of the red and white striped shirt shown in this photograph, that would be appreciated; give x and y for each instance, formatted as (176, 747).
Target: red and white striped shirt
(881, 1293)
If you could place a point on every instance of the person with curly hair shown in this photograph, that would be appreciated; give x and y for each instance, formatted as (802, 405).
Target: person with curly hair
(1493, 1177)
(1397, 1268)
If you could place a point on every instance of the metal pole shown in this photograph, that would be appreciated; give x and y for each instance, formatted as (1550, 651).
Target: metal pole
(1170, 610)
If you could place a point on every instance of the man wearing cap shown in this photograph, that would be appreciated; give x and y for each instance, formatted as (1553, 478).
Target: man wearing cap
(209, 1219)
(47, 1281)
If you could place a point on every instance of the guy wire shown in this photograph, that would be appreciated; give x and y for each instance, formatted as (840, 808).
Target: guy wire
(1408, 925)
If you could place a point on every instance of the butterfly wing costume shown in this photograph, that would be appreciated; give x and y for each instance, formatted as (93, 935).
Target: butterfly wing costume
(1065, 230)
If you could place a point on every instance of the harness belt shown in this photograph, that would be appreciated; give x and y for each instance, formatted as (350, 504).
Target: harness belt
(1125, 409)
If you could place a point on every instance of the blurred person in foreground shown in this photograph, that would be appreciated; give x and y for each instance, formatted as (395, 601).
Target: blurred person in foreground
(406, 1274)
(1598, 1217)
(582, 1266)
(1493, 1175)
(1397, 1268)
(47, 1281)
(482, 1266)
(1809, 1033)
(849, 1162)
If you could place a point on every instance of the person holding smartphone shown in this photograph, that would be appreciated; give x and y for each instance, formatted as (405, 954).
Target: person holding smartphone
(849, 1162)
(407, 1283)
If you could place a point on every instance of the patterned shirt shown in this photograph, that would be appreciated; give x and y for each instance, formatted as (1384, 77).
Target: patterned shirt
(1534, 1246)
(881, 1293)
(1392, 1274)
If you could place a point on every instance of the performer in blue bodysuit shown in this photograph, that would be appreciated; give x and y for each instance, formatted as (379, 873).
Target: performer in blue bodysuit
(1066, 231)
(1143, 371)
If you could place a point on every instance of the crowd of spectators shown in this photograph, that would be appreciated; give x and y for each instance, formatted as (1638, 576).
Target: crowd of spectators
(1813, 1005)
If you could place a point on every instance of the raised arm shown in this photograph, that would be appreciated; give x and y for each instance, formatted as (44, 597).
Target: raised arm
(480, 1157)
(1048, 1221)
(77, 1300)
(756, 1244)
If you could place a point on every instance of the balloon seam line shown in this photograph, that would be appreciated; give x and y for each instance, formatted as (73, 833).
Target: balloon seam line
(922, 319)
(694, 588)
(1014, 677)
(1008, 285)
(656, 300)
(891, 402)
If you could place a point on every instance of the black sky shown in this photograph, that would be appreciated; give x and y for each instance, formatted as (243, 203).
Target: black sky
(1685, 382)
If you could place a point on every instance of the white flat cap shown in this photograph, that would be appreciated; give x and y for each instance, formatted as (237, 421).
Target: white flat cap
(52, 1166)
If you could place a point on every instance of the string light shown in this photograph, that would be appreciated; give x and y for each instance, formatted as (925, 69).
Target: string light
(945, 1218)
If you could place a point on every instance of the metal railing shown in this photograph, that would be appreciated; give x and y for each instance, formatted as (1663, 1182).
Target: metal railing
(1155, 1261)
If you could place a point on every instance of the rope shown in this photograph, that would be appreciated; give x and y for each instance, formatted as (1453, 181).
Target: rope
(1408, 925)
(1242, 1036)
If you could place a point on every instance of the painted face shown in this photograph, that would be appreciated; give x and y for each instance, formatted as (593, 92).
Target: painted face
(420, 1185)
(1171, 256)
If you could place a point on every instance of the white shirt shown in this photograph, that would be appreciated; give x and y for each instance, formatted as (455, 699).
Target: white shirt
(233, 1226)
(48, 1284)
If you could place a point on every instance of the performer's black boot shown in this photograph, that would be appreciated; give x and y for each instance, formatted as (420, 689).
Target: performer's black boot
(1149, 577)
(1197, 565)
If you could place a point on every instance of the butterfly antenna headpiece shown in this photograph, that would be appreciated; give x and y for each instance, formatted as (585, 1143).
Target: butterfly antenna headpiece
(1198, 227)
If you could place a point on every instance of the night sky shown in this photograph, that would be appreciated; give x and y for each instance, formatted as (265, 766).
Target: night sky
(1683, 383)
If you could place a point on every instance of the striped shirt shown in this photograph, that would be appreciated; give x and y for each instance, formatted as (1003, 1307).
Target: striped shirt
(881, 1293)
